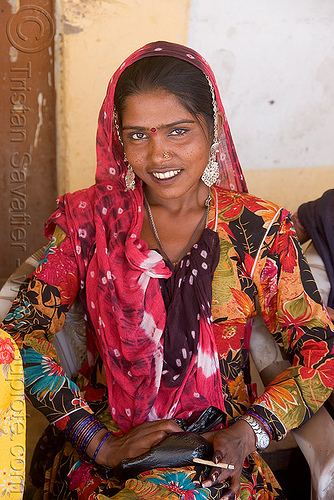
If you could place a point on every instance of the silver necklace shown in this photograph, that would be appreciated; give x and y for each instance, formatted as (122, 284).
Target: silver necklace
(192, 239)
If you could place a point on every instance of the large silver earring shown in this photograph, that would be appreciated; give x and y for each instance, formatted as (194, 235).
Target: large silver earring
(130, 177)
(211, 171)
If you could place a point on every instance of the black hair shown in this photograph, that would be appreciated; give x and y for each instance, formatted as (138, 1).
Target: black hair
(187, 82)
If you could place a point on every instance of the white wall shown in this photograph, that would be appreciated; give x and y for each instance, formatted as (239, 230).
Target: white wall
(274, 61)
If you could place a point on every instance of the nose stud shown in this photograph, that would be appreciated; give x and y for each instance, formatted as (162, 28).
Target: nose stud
(166, 155)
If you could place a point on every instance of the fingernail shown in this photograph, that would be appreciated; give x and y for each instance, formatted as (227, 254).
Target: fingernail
(214, 476)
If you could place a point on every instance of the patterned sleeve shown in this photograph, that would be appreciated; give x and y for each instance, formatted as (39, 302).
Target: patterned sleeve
(37, 314)
(292, 309)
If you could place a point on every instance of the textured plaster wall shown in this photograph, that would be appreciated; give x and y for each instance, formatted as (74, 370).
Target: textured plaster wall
(95, 37)
(274, 61)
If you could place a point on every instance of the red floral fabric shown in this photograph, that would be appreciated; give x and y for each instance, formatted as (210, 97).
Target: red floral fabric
(7, 351)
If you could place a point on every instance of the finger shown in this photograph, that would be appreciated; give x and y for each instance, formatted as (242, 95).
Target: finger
(233, 489)
(228, 496)
(207, 483)
(155, 437)
(145, 429)
(216, 476)
(217, 456)
(146, 441)
(219, 475)
(168, 425)
(135, 447)
(171, 425)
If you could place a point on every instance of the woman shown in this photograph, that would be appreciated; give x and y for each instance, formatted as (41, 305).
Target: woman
(167, 252)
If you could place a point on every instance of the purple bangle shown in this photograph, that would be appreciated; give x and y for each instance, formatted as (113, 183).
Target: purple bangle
(100, 445)
(81, 433)
(83, 441)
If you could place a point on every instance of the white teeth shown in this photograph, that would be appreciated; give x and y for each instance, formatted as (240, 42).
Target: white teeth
(166, 175)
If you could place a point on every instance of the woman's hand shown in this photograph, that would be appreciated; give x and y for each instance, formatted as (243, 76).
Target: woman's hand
(231, 446)
(132, 444)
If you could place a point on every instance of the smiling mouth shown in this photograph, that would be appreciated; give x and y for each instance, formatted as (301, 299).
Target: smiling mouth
(166, 175)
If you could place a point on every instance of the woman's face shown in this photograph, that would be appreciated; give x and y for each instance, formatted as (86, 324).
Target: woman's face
(154, 123)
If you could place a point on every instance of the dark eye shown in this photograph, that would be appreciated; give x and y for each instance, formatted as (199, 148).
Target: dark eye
(137, 136)
(178, 131)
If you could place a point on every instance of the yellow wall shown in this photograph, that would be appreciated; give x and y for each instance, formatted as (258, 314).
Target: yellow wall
(95, 37)
(289, 187)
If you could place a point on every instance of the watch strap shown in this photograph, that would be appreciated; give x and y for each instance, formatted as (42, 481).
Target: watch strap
(261, 436)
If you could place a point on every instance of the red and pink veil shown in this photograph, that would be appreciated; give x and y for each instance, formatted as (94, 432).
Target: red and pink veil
(108, 148)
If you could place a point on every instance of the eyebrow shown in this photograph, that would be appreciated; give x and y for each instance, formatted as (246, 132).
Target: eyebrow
(168, 125)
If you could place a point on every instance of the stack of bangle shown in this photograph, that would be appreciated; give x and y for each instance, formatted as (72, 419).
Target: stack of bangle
(81, 433)
(267, 426)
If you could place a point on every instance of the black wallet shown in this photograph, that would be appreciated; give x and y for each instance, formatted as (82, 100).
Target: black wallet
(176, 450)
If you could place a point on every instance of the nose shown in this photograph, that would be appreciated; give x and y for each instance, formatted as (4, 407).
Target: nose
(159, 152)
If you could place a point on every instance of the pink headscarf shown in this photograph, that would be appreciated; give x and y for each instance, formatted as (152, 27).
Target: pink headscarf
(108, 150)
(119, 275)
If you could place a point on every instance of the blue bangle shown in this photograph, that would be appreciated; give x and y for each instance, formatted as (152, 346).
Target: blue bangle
(99, 447)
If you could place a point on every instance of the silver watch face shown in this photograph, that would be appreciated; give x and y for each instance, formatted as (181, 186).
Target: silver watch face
(262, 440)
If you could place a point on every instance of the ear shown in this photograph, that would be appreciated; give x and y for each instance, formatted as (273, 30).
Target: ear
(220, 122)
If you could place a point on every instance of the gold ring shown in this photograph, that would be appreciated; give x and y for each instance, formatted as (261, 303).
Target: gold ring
(165, 154)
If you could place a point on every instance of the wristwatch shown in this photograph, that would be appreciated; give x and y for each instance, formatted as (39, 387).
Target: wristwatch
(262, 437)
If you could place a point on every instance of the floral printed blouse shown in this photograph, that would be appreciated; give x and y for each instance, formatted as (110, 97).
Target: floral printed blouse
(259, 256)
